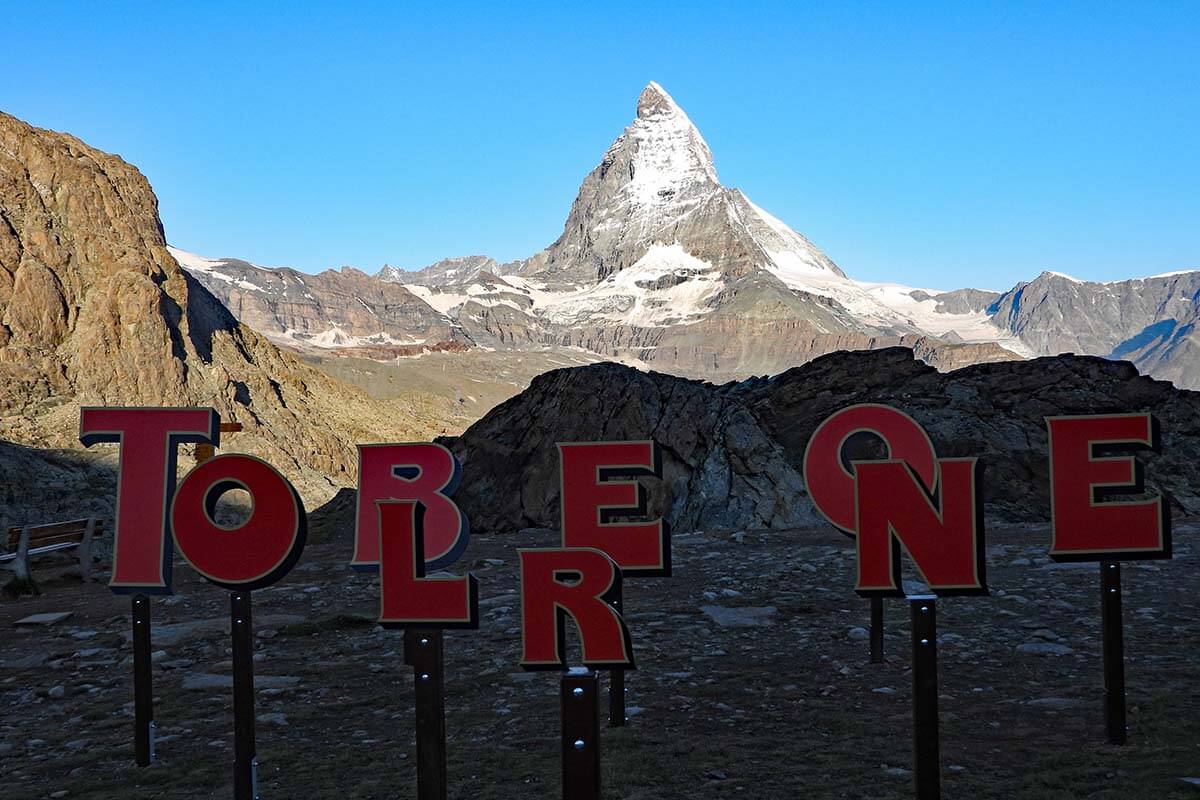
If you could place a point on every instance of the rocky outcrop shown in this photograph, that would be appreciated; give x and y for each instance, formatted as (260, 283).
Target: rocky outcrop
(94, 310)
(733, 454)
(719, 467)
(993, 411)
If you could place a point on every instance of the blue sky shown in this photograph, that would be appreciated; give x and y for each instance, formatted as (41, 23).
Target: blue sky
(935, 144)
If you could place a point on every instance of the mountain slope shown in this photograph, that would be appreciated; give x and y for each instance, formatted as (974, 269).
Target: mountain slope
(1149, 321)
(94, 310)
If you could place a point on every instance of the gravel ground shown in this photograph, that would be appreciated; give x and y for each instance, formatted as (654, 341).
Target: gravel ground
(753, 681)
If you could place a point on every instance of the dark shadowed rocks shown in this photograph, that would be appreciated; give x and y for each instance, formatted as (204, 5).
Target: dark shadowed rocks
(732, 455)
(720, 469)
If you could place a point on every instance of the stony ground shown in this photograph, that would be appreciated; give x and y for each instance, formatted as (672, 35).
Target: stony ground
(786, 707)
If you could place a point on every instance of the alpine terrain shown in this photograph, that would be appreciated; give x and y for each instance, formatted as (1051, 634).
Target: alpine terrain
(658, 264)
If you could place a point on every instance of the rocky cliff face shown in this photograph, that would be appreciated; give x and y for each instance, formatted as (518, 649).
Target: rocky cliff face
(447, 272)
(94, 310)
(733, 454)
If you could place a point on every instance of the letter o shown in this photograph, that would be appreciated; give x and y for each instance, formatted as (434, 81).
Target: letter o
(254, 554)
(831, 485)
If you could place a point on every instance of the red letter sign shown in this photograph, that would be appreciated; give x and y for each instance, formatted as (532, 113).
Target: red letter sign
(579, 582)
(423, 472)
(407, 597)
(1085, 524)
(145, 483)
(591, 499)
(913, 499)
(254, 554)
(895, 511)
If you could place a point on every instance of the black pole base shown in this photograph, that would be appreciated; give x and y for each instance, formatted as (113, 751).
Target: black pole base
(927, 770)
(143, 684)
(1114, 652)
(616, 699)
(423, 652)
(245, 764)
(580, 700)
(876, 630)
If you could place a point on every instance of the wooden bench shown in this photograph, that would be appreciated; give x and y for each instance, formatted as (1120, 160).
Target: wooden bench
(31, 540)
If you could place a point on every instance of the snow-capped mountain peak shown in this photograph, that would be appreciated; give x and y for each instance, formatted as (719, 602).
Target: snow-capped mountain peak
(669, 156)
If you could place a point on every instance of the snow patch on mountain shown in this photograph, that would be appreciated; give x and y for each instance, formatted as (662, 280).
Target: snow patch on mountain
(212, 267)
(919, 308)
(665, 286)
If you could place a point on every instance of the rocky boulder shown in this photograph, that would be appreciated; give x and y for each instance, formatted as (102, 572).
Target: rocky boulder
(720, 469)
(733, 454)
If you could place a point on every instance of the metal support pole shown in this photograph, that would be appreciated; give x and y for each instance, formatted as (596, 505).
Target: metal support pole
(580, 696)
(1114, 651)
(143, 688)
(926, 746)
(616, 698)
(616, 690)
(876, 630)
(423, 652)
(245, 764)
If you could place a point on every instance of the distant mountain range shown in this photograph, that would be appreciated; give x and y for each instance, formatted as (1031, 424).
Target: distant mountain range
(661, 265)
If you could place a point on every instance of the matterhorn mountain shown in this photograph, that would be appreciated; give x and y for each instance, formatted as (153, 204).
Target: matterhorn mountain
(660, 265)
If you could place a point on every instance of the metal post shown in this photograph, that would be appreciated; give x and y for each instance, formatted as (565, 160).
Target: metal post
(245, 764)
(616, 698)
(616, 689)
(423, 652)
(580, 694)
(926, 746)
(1114, 651)
(876, 630)
(143, 689)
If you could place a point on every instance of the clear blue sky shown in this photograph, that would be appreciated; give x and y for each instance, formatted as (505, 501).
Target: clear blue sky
(937, 144)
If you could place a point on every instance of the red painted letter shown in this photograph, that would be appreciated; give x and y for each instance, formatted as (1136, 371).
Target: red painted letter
(910, 500)
(894, 510)
(254, 554)
(1085, 524)
(145, 484)
(424, 472)
(591, 499)
(581, 583)
(407, 597)
(830, 481)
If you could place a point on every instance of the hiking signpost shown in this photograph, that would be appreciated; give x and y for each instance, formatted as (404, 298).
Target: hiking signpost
(407, 526)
